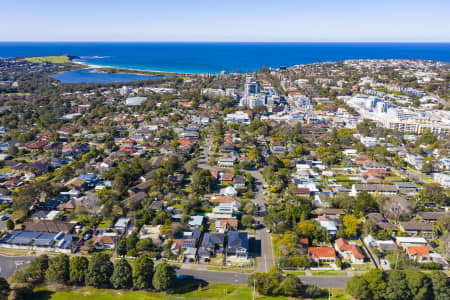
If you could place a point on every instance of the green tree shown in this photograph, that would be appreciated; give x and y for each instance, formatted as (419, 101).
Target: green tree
(4, 289)
(13, 150)
(377, 283)
(122, 247)
(99, 271)
(143, 272)
(202, 182)
(247, 221)
(144, 245)
(350, 223)
(164, 277)
(132, 240)
(427, 168)
(122, 277)
(291, 286)
(37, 268)
(441, 284)
(419, 285)
(358, 287)
(9, 224)
(364, 201)
(58, 269)
(397, 286)
(78, 268)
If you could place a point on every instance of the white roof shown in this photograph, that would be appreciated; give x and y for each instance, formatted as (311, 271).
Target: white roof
(122, 222)
(196, 220)
(135, 101)
(411, 240)
(329, 225)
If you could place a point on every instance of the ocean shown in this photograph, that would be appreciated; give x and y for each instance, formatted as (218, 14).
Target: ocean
(203, 57)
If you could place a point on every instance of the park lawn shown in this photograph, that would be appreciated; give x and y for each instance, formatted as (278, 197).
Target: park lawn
(58, 59)
(297, 273)
(337, 294)
(231, 269)
(329, 273)
(211, 291)
(5, 170)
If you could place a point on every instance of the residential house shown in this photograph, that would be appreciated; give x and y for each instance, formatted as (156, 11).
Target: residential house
(223, 225)
(151, 232)
(103, 242)
(122, 223)
(349, 251)
(406, 187)
(420, 254)
(381, 189)
(330, 212)
(239, 182)
(237, 245)
(415, 228)
(406, 241)
(212, 244)
(48, 226)
(195, 221)
(322, 254)
(431, 216)
(186, 240)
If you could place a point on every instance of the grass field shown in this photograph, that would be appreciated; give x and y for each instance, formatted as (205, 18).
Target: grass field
(298, 273)
(329, 273)
(212, 291)
(60, 59)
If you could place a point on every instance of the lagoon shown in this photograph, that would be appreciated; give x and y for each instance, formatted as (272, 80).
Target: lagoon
(95, 76)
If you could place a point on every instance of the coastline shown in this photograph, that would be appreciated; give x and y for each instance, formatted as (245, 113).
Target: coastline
(92, 66)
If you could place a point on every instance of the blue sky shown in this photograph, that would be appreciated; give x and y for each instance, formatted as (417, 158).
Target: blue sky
(226, 20)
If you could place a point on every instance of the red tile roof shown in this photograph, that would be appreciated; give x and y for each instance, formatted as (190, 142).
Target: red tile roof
(343, 245)
(319, 252)
(417, 250)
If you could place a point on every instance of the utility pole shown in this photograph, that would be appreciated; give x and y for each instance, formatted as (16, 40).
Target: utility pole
(254, 288)
(396, 259)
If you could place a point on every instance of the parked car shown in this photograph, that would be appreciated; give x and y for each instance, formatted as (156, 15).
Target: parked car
(3, 218)
(87, 236)
(184, 277)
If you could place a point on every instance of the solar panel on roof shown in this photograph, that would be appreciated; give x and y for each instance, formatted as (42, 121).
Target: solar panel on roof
(25, 238)
(45, 239)
(188, 244)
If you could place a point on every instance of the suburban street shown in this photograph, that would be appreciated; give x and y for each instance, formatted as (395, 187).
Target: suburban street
(241, 278)
(265, 259)
(8, 264)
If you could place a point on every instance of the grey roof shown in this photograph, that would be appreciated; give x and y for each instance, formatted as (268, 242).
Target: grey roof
(237, 240)
(44, 239)
(413, 225)
(210, 240)
(432, 215)
(405, 185)
(376, 187)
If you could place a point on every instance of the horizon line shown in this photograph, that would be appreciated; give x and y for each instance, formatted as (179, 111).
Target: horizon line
(243, 42)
